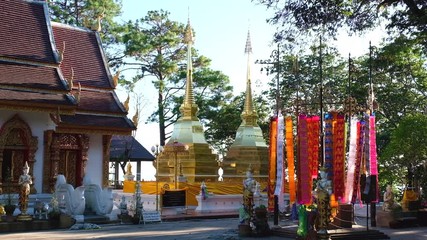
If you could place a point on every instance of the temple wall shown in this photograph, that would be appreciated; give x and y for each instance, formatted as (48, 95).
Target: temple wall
(94, 163)
(38, 122)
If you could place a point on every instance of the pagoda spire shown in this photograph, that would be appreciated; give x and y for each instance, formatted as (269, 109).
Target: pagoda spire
(188, 108)
(248, 115)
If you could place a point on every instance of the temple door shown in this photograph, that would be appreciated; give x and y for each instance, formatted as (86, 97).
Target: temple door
(70, 159)
(68, 166)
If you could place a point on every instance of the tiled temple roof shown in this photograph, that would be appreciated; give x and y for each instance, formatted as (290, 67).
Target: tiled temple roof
(25, 33)
(100, 102)
(31, 77)
(82, 54)
(39, 59)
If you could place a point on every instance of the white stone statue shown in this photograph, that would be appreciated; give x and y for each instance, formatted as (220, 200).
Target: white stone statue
(389, 203)
(98, 200)
(71, 201)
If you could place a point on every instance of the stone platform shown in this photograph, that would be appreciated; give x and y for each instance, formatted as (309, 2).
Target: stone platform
(36, 225)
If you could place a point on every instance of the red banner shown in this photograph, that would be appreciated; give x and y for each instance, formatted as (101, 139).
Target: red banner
(339, 153)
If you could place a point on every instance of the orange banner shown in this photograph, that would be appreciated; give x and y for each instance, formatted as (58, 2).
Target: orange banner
(290, 157)
(272, 165)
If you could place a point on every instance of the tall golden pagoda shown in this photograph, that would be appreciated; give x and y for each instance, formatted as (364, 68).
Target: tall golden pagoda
(249, 147)
(187, 154)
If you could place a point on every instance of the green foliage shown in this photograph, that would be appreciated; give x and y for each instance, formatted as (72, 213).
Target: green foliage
(408, 149)
(326, 17)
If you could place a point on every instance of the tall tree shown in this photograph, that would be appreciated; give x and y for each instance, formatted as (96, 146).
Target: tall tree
(327, 17)
(407, 152)
(156, 44)
(299, 81)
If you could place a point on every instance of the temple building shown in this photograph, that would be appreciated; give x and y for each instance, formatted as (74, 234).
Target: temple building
(187, 157)
(249, 147)
(58, 107)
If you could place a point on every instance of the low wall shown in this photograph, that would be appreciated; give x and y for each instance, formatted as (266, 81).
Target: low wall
(225, 203)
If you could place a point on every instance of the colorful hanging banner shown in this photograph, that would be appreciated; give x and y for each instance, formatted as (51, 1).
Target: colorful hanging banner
(359, 157)
(280, 168)
(373, 147)
(351, 161)
(315, 121)
(310, 146)
(328, 164)
(367, 146)
(304, 174)
(339, 153)
(290, 157)
(272, 165)
(373, 157)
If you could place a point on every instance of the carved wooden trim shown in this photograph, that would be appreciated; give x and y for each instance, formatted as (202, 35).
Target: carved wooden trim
(64, 141)
(24, 136)
(106, 143)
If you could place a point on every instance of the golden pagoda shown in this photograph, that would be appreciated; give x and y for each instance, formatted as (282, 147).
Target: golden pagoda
(249, 147)
(187, 157)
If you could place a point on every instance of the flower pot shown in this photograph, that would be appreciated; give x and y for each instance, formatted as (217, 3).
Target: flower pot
(261, 213)
(245, 230)
(9, 209)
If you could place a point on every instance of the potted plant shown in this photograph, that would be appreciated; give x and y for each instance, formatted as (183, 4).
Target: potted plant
(8, 199)
(261, 211)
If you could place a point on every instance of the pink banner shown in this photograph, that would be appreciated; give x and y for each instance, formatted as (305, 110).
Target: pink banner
(373, 146)
(316, 133)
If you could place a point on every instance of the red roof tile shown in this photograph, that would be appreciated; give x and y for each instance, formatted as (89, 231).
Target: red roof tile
(30, 76)
(83, 54)
(24, 33)
(96, 121)
(95, 101)
(35, 99)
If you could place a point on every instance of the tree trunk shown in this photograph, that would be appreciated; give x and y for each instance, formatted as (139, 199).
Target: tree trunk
(161, 119)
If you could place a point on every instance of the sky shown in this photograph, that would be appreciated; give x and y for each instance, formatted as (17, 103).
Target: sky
(221, 28)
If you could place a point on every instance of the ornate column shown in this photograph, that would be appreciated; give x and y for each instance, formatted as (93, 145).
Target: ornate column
(106, 143)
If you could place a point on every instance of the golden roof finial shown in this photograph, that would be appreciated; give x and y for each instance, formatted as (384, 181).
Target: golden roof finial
(61, 53)
(135, 118)
(126, 103)
(77, 94)
(249, 116)
(189, 108)
(188, 37)
(70, 80)
(116, 78)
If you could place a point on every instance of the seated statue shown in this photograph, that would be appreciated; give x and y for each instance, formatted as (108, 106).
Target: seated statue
(71, 201)
(128, 175)
(389, 203)
(98, 200)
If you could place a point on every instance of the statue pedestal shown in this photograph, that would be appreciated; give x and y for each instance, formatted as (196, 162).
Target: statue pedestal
(384, 218)
(24, 218)
(245, 230)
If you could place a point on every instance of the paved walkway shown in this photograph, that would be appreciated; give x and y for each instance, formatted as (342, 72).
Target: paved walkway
(210, 227)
